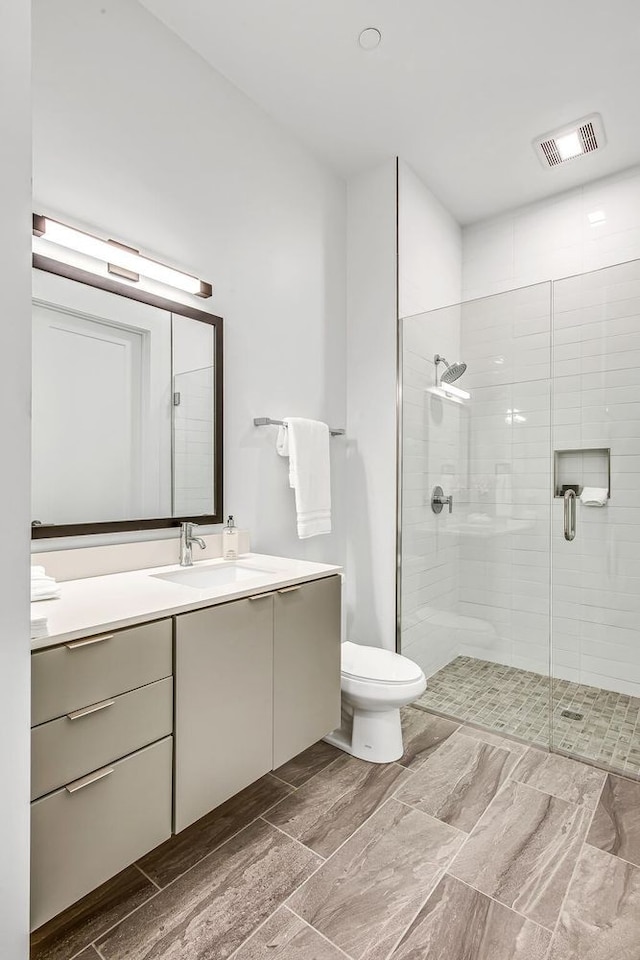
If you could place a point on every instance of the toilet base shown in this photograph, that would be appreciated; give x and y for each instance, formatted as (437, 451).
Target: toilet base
(376, 736)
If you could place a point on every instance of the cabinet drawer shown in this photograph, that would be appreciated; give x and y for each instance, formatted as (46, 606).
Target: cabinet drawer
(65, 749)
(88, 831)
(86, 671)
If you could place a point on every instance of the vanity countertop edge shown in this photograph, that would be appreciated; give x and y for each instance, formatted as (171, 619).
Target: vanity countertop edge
(119, 600)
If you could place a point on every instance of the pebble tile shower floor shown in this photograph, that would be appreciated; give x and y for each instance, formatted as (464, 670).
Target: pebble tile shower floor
(471, 847)
(516, 702)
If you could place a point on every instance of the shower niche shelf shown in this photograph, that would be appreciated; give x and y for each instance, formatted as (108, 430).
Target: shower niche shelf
(582, 468)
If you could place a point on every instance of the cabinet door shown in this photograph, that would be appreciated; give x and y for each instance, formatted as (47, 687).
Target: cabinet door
(306, 666)
(89, 830)
(224, 703)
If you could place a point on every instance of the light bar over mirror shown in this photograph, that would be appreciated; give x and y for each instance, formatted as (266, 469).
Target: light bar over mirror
(121, 260)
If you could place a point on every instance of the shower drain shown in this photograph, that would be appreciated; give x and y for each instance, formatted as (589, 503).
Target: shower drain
(572, 715)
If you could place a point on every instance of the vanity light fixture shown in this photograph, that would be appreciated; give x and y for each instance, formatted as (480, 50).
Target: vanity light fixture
(122, 261)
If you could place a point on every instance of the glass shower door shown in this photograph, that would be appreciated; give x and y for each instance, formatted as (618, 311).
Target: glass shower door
(474, 580)
(596, 517)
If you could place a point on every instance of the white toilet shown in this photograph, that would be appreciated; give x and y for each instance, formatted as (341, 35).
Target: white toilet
(375, 684)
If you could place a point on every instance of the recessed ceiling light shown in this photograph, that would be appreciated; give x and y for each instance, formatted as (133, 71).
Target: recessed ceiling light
(370, 38)
(569, 145)
(575, 139)
(598, 216)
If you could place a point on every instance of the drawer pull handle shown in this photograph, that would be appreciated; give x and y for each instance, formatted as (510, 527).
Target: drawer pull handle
(85, 711)
(288, 589)
(261, 596)
(88, 780)
(75, 644)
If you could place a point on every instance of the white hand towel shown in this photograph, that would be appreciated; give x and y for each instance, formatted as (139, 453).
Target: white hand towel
(594, 496)
(37, 572)
(306, 443)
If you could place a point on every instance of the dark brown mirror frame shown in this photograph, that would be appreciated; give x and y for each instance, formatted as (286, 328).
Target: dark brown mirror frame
(104, 283)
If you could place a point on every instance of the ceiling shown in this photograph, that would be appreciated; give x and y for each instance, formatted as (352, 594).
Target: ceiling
(457, 88)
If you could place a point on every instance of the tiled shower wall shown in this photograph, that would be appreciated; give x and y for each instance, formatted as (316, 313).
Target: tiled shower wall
(478, 582)
(596, 582)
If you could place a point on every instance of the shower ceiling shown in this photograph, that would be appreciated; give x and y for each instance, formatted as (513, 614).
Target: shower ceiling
(458, 90)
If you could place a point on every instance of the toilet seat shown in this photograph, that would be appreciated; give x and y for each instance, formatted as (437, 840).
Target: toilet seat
(377, 666)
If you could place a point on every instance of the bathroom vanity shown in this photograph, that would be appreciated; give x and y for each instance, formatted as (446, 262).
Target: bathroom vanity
(161, 693)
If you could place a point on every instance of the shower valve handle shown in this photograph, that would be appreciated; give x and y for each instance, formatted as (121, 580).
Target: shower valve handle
(438, 500)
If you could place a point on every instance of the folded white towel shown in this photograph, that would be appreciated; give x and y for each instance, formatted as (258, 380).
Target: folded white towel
(39, 627)
(43, 587)
(306, 443)
(594, 496)
(44, 593)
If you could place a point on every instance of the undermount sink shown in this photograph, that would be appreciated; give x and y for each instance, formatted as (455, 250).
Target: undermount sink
(202, 578)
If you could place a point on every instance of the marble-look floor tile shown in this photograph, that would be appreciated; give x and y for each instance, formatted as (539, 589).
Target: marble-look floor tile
(285, 937)
(564, 778)
(523, 851)
(324, 812)
(458, 923)
(212, 909)
(81, 924)
(600, 918)
(89, 954)
(422, 733)
(517, 748)
(459, 781)
(185, 849)
(367, 893)
(311, 761)
(616, 824)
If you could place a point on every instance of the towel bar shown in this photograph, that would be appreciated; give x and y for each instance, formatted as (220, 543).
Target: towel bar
(267, 421)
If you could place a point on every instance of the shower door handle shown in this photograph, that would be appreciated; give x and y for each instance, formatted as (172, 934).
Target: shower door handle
(569, 515)
(438, 500)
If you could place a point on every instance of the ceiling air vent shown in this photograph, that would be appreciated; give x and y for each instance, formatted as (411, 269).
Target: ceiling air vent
(574, 140)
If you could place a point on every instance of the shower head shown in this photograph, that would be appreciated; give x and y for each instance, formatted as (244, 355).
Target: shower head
(453, 371)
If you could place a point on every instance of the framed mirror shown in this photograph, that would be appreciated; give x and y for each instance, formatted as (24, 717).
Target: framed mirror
(126, 409)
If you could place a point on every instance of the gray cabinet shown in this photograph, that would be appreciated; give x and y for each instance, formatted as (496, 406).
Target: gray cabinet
(101, 760)
(306, 666)
(85, 739)
(93, 827)
(92, 669)
(252, 683)
(257, 681)
(224, 703)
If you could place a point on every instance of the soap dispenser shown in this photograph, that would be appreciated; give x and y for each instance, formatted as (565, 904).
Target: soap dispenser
(230, 540)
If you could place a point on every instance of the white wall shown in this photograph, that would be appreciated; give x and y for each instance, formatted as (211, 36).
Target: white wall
(429, 250)
(136, 137)
(371, 417)
(554, 238)
(430, 263)
(15, 245)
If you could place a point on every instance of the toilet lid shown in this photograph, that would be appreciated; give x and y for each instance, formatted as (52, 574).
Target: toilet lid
(373, 663)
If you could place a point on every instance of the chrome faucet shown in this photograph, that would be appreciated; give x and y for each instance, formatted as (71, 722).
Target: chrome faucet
(187, 540)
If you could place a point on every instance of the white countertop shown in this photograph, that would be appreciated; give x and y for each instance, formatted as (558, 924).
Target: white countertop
(98, 604)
